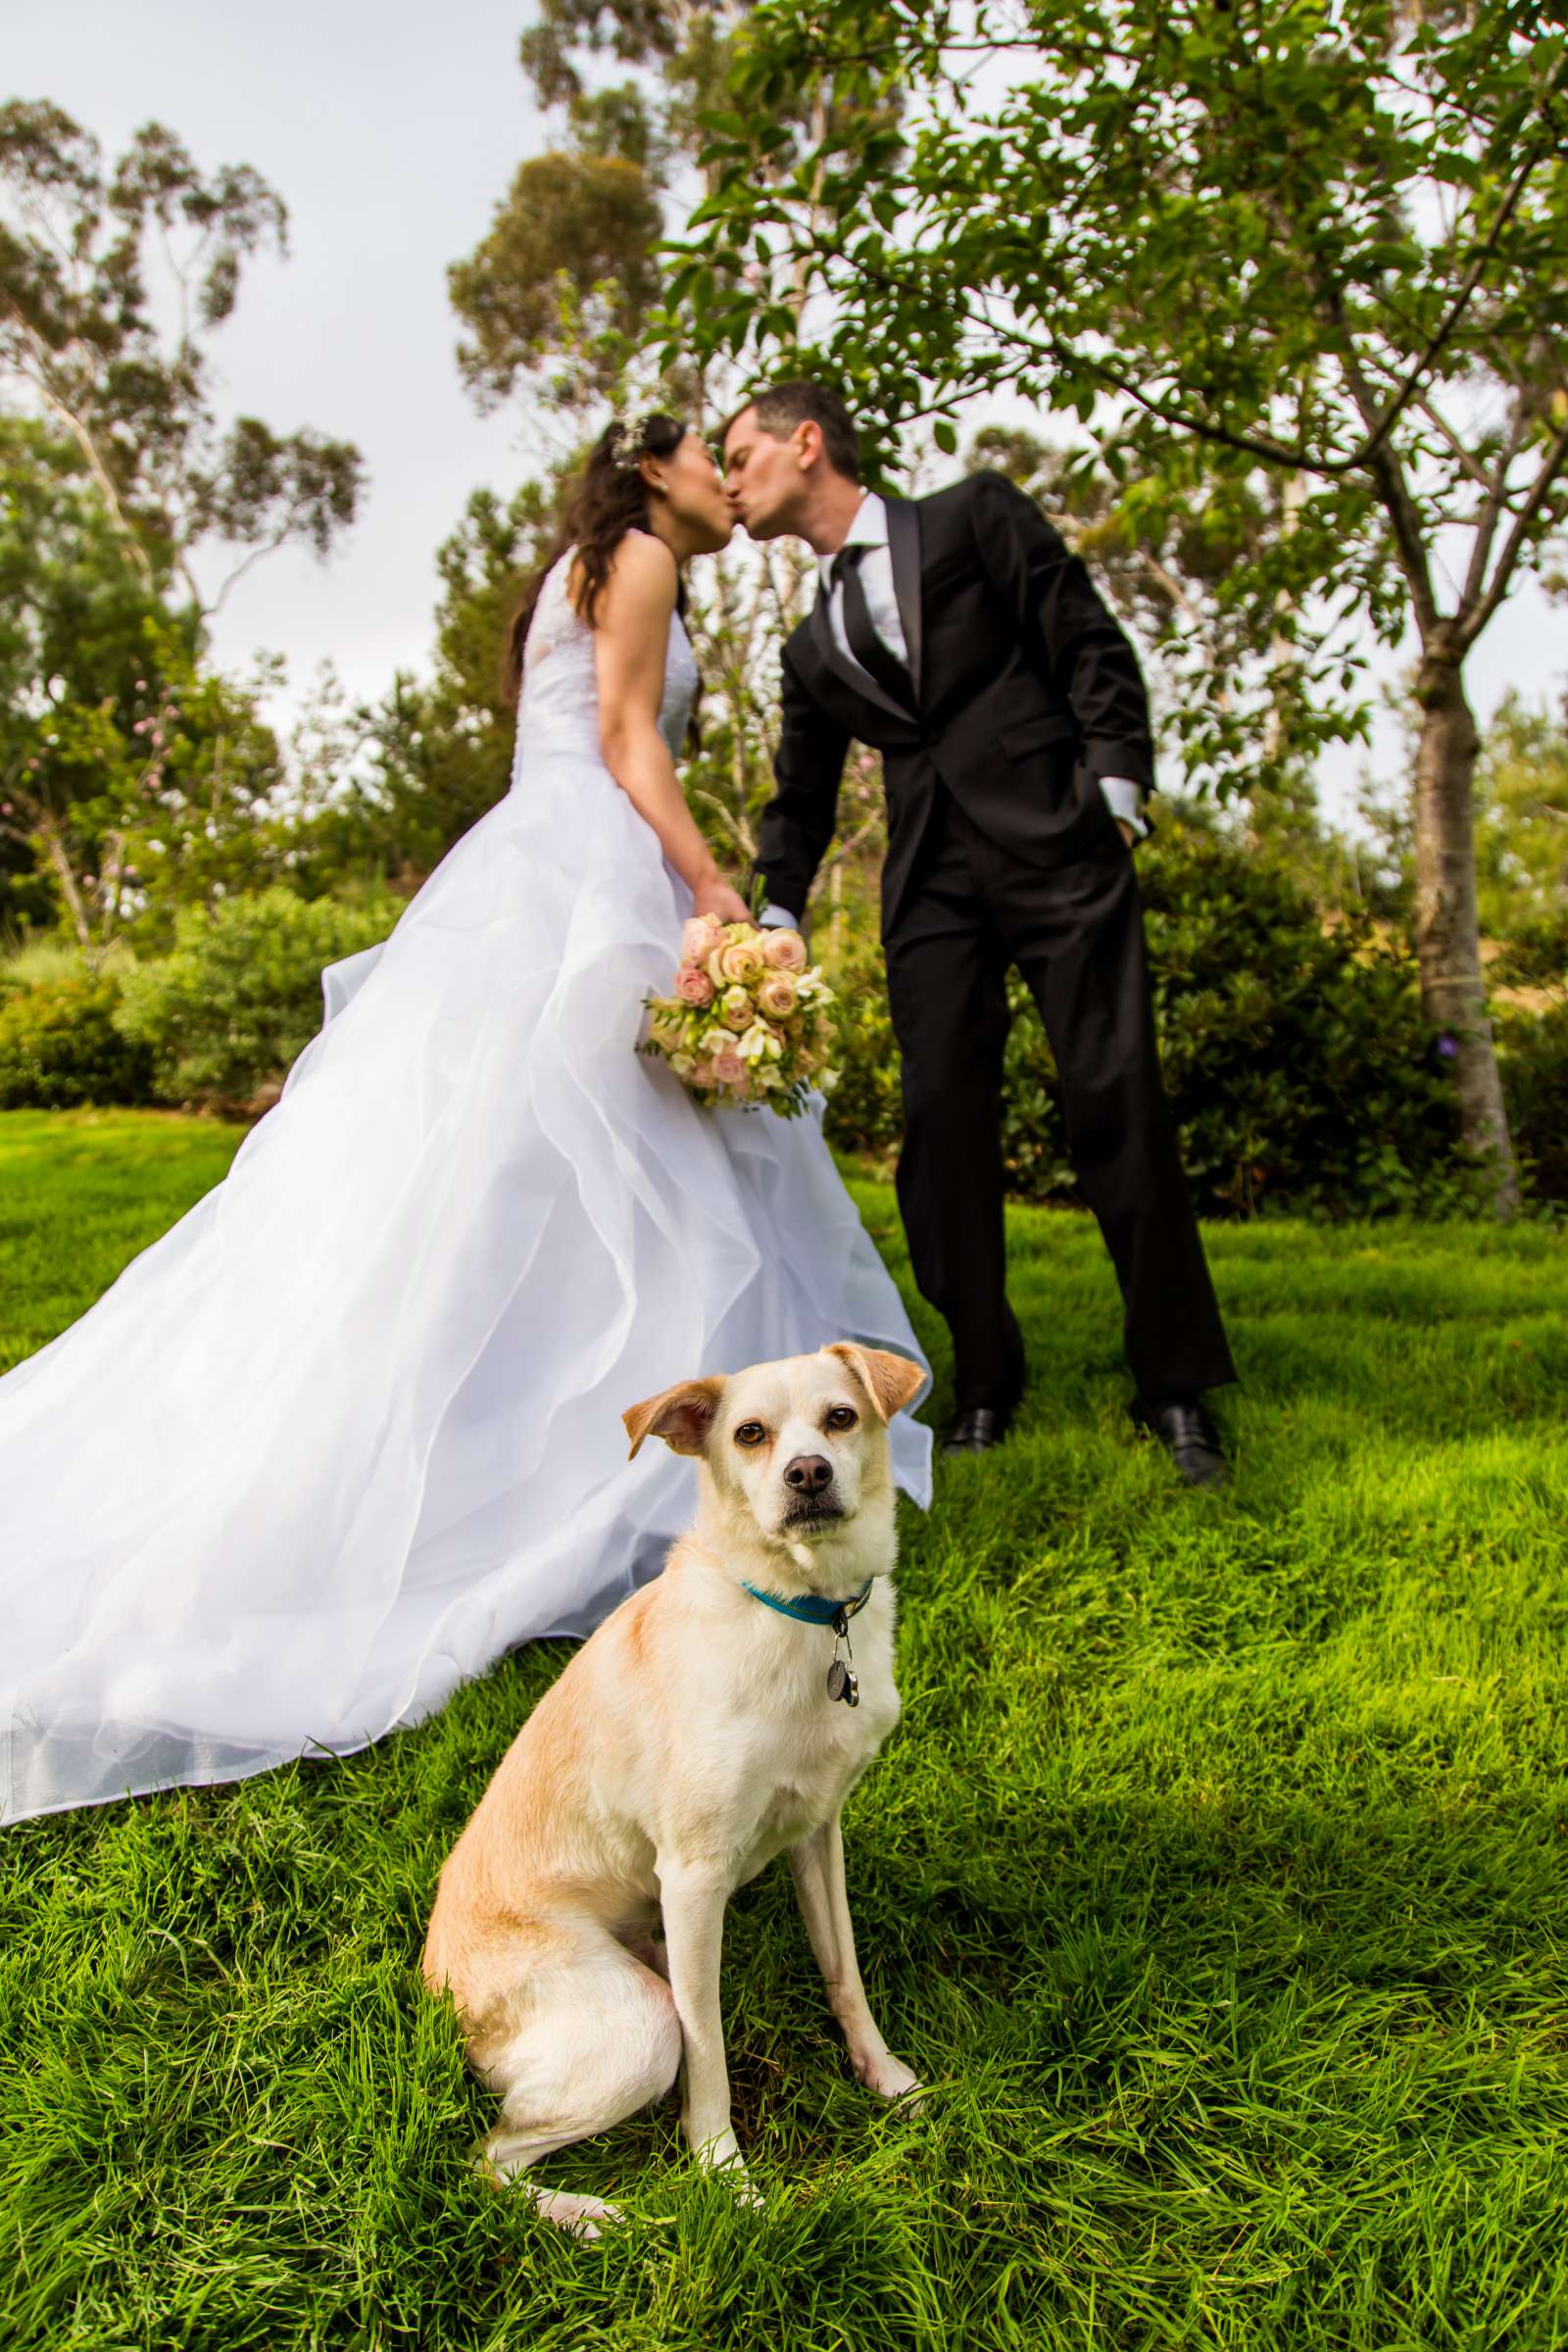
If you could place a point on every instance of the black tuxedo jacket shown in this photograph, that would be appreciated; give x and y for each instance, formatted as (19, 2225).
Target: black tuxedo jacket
(1025, 692)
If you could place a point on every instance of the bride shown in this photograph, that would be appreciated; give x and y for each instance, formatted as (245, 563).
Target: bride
(352, 1428)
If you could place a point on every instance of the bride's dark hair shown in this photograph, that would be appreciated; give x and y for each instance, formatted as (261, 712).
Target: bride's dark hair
(609, 498)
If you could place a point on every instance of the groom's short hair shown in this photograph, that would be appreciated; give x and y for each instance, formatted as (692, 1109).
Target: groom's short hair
(780, 408)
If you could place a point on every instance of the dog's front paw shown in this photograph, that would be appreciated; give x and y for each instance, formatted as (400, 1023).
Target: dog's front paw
(887, 2075)
(720, 2153)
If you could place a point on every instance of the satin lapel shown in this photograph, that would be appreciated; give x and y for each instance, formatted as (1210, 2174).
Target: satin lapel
(904, 546)
(852, 675)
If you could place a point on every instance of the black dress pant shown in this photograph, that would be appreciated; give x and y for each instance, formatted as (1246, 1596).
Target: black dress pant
(1076, 934)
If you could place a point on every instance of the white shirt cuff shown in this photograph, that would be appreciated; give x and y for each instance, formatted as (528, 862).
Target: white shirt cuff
(778, 919)
(1126, 800)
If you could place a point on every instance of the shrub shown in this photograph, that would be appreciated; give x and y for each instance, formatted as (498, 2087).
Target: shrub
(1300, 1068)
(226, 1013)
(50, 956)
(1534, 1084)
(59, 1046)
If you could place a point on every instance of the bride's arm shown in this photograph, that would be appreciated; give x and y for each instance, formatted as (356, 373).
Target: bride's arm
(631, 636)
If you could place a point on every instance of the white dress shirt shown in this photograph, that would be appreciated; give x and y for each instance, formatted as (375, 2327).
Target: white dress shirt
(868, 529)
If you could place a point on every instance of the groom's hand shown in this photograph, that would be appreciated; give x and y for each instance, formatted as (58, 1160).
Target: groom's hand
(1128, 832)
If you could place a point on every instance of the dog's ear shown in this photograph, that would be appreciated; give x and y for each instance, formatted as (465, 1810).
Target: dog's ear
(682, 1415)
(890, 1380)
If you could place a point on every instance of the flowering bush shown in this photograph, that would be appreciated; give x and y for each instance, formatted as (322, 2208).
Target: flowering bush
(746, 1019)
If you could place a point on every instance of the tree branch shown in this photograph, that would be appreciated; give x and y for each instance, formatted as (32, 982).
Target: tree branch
(83, 436)
(1515, 545)
(1493, 484)
(1497, 504)
(1388, 474)
(1271, 452)
(268, 547)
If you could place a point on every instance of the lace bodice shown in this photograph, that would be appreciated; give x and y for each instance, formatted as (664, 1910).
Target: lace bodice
(559, 711)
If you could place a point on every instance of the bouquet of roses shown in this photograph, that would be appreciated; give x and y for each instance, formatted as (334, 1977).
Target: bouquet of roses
(748, 1019)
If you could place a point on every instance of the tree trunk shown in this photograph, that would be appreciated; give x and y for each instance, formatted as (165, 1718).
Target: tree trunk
(1447, 930)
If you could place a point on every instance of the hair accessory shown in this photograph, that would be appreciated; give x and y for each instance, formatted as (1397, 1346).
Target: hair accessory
(625, 442)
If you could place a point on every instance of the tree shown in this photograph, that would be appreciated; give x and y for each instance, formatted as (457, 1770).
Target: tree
(554, 304)
(1522, 820)
(442, 749)
(80, 255)
(566, 268)
(129, 772)
(557, 294)
(1239, 242)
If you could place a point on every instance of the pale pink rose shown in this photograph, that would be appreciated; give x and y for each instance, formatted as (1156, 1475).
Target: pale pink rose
(741, 961)
(702, 1074)
(693, 986)
(785, 950)
(728, 1067)
(700, 936)
(778, 996)
(736, 1010)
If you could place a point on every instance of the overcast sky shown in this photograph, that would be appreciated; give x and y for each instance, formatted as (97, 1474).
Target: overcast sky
(390, 131)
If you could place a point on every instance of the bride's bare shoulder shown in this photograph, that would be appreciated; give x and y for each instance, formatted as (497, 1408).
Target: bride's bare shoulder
(641, 582)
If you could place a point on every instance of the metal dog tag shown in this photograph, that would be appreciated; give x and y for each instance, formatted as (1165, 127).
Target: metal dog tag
(843, 1682)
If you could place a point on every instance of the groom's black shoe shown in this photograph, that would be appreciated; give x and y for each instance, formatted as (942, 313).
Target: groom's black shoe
(975, 1429)
(1188, 1436)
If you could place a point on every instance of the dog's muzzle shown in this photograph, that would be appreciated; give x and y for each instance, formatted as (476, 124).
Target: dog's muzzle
(810, 1511)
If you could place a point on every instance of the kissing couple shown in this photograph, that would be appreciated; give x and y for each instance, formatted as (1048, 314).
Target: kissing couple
(351, 1428)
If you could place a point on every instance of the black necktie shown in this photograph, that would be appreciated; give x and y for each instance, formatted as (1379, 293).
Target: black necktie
(874, 657)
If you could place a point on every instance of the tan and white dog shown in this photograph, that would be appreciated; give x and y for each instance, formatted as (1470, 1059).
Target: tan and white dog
(687, 1742)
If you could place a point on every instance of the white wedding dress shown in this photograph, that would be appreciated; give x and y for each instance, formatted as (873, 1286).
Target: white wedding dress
(352, 1428)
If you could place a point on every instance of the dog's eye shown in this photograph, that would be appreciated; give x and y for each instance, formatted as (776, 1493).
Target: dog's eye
(750, 1432)
(842, 1416)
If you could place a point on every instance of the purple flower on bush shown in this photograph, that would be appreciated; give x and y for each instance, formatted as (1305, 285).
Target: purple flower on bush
(1447, 1047)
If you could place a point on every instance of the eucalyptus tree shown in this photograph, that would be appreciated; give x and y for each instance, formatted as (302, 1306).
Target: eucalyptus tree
(134, 777)
(1318, 241)
(114, 278)
(554, 299)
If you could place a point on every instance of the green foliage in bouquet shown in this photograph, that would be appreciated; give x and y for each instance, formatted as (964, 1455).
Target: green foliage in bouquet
(225, 1015)
(59, 1046)
(1300, 1070)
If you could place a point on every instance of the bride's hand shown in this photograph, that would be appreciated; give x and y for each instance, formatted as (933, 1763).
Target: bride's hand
(714, 897)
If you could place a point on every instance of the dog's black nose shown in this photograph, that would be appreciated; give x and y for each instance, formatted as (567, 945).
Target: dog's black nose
(808, 1474)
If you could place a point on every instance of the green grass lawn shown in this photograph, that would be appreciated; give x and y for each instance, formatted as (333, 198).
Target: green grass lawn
(1216, 1881)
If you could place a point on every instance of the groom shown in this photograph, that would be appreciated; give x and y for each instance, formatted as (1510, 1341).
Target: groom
(957, 636)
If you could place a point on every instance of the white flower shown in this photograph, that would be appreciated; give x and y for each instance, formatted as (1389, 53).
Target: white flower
(759, 1042)
(682, 1064)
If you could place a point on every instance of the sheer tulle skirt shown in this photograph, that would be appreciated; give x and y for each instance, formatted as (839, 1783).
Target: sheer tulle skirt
(352, 1428)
